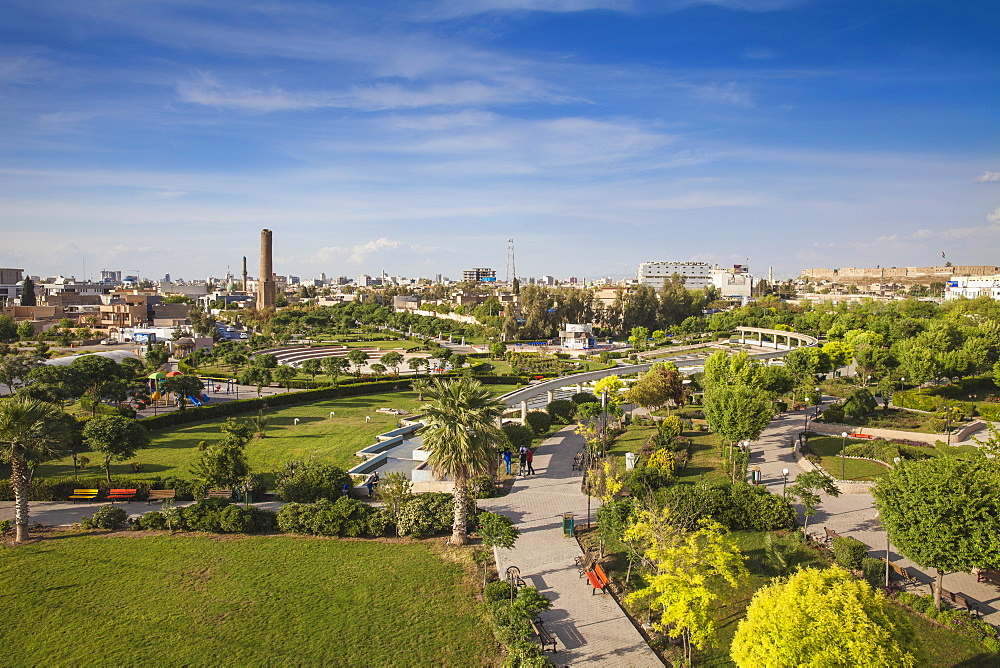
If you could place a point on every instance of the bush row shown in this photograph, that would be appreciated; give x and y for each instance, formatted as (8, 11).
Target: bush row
(959, 621)
(739, 506)
(61, 489)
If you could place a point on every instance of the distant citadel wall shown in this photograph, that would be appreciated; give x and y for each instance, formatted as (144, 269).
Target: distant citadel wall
(899, 273)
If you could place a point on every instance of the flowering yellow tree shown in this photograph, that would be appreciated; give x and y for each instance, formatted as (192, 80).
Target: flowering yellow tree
(818, 618)
(691, 571)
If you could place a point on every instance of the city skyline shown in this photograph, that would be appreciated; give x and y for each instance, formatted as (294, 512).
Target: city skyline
(418, 137)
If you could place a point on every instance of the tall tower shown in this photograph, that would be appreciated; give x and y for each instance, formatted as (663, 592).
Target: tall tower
(265, 285)
(244, 273)
(511, 272)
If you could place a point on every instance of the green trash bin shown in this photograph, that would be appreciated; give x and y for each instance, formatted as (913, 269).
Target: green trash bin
(568, 524)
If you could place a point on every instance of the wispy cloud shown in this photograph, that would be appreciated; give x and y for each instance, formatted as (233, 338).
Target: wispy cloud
(988, 177)
(355, 254)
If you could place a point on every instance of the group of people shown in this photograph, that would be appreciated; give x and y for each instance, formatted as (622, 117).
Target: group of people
(525, 458)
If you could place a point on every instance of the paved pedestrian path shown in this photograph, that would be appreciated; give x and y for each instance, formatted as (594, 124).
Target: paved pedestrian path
(591, 629)
(854, 514)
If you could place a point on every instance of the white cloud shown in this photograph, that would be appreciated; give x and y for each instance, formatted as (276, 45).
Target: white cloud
(355, 254)
(758, 54)
(994, 217)
(988, 177)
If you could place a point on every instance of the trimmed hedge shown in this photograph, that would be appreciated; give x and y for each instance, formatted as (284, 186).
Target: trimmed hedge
(256, 403)
(849, 552)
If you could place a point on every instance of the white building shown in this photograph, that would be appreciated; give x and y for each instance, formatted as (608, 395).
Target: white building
(696, 275)
(577, 337)
(734, 283)
(972, 287)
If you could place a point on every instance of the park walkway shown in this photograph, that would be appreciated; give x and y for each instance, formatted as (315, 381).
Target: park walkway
(591, 629)
(853, 514)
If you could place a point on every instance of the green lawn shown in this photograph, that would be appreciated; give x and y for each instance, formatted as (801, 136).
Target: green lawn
(317, 436)
(827, 448)
(276, 600)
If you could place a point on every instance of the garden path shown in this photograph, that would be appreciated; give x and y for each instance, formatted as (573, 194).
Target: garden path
(854, 514)
(590, 628)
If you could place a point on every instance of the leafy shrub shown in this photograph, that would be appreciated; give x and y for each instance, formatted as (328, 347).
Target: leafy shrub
(154, 520)
(849, 552)
(234, 519)
(561, 411)
(429, 514)
(583, 398)
(874, 572)
(834, 414)
(5, 526)
(498, 590)
(757, 509)
(483, 487)
(343, 517)
(690, 503)
(205, 515)
(518, 435)
(539, 421)
(305, 482)
(647, 479)
(106, 517)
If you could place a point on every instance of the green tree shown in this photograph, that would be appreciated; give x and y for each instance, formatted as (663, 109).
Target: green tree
(721, 368)
(183, 387)
(358, 358)
(638, 337)
(8, 330)
(693, 570)
(156, 356)
(312, 366)
(116, 437)
(393, 360)
(394, 491)
(284, 375)
(662, 385)
(17, 369)
(266, 360)
(223, 464)
(737, 413)
(496, 530)
(415, 363)
(806, 489)
(943, 513)
(497, 350)
(28, 293)
(26, 331)
(31, 432)
(818, 618)
(257, 376)
(462, 435)
(335, 366)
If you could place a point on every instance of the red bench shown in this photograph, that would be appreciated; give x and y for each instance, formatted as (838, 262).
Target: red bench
(598, 579)
(869, 436)
(121, 495)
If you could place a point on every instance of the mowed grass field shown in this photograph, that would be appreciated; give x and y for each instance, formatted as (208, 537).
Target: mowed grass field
(126, 599)
(330, 440)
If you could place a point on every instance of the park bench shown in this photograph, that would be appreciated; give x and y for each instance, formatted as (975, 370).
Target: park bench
(578, 462)
(831, 534)
(160, 495)
(961, 601)
(598, 579)
(544, 637)
(514, 577)
(585, 562)
(219, 494)
(860, 435)
(121, 495)
(901, 572)
(89, 494)
(987, 575)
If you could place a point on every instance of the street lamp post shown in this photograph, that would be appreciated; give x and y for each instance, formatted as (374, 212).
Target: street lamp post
(784, 481)
(843, 444)
(901, 381)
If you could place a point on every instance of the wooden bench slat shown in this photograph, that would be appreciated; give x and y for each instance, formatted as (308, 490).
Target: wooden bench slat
(83, 494)
(544, 637)
(160, 495)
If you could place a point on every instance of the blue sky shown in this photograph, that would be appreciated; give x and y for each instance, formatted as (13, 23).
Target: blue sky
(418, 136)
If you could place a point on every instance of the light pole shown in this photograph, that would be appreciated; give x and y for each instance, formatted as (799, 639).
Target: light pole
(784, 481)
(843, 444)
(901, 381)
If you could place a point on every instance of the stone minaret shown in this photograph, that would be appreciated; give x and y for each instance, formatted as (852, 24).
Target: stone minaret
(244, 273)
(265, 284)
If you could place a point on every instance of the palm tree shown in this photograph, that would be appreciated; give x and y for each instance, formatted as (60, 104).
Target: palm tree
(462, 434)
(31, 431)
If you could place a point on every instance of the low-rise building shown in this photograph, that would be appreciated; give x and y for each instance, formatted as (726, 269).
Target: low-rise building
(973, 287)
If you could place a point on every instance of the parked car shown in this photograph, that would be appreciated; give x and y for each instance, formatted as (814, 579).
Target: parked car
(108, 342)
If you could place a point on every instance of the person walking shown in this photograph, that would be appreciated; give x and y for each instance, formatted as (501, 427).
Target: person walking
(522, 460)
(529, 457)
(507, 457)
